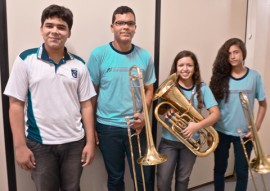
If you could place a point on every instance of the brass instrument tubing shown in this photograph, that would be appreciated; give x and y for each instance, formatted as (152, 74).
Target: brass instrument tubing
(151, 157)
(261, 163)
(132, 154)
(246, 155)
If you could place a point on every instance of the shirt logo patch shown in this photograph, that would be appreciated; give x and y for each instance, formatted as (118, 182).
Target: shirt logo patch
(74, 73)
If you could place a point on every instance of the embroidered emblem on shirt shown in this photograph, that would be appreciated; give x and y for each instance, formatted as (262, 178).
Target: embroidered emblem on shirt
(109, 70)
(74, 73)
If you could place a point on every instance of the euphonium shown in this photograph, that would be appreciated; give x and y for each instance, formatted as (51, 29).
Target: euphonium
(261, 162)
(185, 114)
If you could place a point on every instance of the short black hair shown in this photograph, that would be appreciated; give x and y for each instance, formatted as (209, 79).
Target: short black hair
(122, 10)
(58, 11)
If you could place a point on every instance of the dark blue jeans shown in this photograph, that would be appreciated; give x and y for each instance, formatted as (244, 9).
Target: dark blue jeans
(221, 162)
(58, 167)
(114, 146)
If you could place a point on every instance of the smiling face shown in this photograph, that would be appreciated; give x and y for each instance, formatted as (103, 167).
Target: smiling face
(185, 69)
(55, 33)
(123, 28)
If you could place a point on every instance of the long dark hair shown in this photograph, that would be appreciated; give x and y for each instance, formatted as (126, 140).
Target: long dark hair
(196, 77)
(221, 71)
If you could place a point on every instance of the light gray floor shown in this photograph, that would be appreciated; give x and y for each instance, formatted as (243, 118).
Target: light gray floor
(230, 184)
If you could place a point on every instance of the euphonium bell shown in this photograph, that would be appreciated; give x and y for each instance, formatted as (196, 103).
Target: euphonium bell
(186, 112)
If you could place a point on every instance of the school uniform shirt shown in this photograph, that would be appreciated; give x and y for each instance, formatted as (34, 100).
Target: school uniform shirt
(232, 116)
(52, 94)
(109, 70)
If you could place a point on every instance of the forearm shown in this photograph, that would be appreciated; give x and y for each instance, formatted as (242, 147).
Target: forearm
(94, 102)
(211, 119)
(149, 95)
(88, 121)
(17, 123)
(261, 113)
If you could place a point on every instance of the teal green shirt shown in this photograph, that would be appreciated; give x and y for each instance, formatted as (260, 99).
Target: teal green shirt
(232, 116)
(109, 70)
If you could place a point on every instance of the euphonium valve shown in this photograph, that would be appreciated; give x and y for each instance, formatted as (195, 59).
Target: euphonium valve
(186, 113)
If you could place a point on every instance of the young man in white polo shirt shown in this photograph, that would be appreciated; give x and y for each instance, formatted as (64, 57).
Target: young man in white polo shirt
(50, 91)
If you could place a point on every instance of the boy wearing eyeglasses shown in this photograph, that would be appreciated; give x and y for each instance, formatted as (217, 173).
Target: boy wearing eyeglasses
(109, 70)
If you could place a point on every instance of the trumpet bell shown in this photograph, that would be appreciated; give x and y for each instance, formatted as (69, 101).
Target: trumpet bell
(152, 157)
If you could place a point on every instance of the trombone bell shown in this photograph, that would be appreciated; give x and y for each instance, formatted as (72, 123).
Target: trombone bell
(152, 157)
(261, 165)
(261, 162)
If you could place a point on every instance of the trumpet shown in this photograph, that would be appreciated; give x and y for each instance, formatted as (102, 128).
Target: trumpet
(186, 113)
(261, 162)
(151, 157)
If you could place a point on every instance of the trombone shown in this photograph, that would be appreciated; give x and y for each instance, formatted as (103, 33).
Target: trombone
(261, 162)
(151, 157)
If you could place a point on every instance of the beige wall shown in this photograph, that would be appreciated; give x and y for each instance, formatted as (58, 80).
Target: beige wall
(258, 55)
(92, 19)
(200, 26)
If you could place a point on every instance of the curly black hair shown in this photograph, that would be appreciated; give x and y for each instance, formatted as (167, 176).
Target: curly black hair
(221, 72)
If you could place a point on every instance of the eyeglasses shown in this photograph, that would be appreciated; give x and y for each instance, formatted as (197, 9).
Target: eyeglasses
(123, 23)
